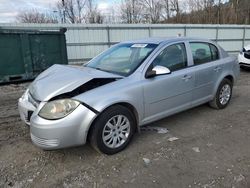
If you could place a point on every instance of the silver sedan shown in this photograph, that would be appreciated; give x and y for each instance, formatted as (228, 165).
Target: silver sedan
(129, 85)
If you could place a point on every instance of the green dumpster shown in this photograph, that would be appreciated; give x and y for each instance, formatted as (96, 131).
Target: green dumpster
(26, 53)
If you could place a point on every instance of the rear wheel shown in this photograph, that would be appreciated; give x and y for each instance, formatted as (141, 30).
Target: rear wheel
(223, 95)
(113, 130)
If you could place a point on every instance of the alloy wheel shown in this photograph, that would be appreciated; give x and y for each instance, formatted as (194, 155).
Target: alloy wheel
(116, 131)
(225, 94)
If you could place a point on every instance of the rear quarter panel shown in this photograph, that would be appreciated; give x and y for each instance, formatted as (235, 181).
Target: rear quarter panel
(230, 68)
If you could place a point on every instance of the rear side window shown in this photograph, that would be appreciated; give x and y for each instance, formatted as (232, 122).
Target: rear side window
(203, 52)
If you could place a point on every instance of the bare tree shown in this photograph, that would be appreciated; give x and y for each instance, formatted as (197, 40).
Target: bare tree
(167, 8)
(93, 14)
(72, 10)
(131, 11)
(209, 11)
(235, 7)
(219, 12)
(245, 11)
(147, 11)
(94, 17)
(79, 11)
(201, 11)
(175, 6)
(153, 10)
(237, 11)
(34, 16)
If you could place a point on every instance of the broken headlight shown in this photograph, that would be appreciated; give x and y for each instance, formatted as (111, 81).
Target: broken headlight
(58, 109)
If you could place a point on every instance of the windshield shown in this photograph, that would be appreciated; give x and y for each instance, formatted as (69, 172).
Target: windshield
(122, 59)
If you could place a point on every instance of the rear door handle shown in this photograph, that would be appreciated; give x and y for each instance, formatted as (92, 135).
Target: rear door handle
(217, 69)
(186, 77)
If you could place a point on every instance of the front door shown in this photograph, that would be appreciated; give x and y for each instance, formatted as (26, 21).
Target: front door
(170, 93)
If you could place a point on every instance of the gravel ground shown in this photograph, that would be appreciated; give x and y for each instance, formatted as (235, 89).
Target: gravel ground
(203, 148)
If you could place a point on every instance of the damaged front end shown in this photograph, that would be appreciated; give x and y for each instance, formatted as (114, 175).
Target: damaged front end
(60, 79)
(60, 83)
(56, 118)
(92, 84)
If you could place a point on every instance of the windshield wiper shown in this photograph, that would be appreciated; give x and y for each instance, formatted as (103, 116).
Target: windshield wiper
(97, 68)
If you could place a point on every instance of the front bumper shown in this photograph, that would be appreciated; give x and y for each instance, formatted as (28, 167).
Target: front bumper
(243, 62)
(54, 134)
(245, 65)
(69, 131)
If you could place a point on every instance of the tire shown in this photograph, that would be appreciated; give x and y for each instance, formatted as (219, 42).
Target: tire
(117, 135)
(219, 103)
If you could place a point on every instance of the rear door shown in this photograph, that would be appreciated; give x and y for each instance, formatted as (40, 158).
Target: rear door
(207, 70)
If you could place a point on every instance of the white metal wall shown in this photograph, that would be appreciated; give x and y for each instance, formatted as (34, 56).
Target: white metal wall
(84, 41)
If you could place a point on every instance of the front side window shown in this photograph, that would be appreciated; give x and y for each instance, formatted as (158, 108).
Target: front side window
(174, 57)
(203, 52)
(122, 59)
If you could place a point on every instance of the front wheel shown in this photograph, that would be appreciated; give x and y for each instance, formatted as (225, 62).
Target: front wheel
(113, 130)
(223, 95)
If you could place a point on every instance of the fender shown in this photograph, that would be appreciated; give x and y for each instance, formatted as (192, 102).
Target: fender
(105, 104)
(220, 80)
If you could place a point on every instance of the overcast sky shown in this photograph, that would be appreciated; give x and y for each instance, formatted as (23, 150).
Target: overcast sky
(10, 8)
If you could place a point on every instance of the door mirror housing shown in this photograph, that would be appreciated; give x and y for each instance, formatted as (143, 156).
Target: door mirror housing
(157, 70)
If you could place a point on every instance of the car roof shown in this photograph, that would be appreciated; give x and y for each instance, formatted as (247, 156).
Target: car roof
(158, 40)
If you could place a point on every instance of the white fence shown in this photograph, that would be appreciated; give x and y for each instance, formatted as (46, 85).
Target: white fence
(84, 41)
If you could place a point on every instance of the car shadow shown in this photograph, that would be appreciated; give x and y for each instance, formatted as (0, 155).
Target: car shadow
(171, 122)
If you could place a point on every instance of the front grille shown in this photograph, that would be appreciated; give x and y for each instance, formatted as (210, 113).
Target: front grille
(44, 142)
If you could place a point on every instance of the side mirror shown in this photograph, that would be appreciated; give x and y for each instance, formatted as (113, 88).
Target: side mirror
(157, 70)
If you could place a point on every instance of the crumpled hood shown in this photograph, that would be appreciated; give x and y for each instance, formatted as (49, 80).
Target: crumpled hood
(59, 79)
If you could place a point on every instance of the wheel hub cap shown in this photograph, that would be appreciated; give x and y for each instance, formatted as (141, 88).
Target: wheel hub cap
(116, 131)
(225, 94)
